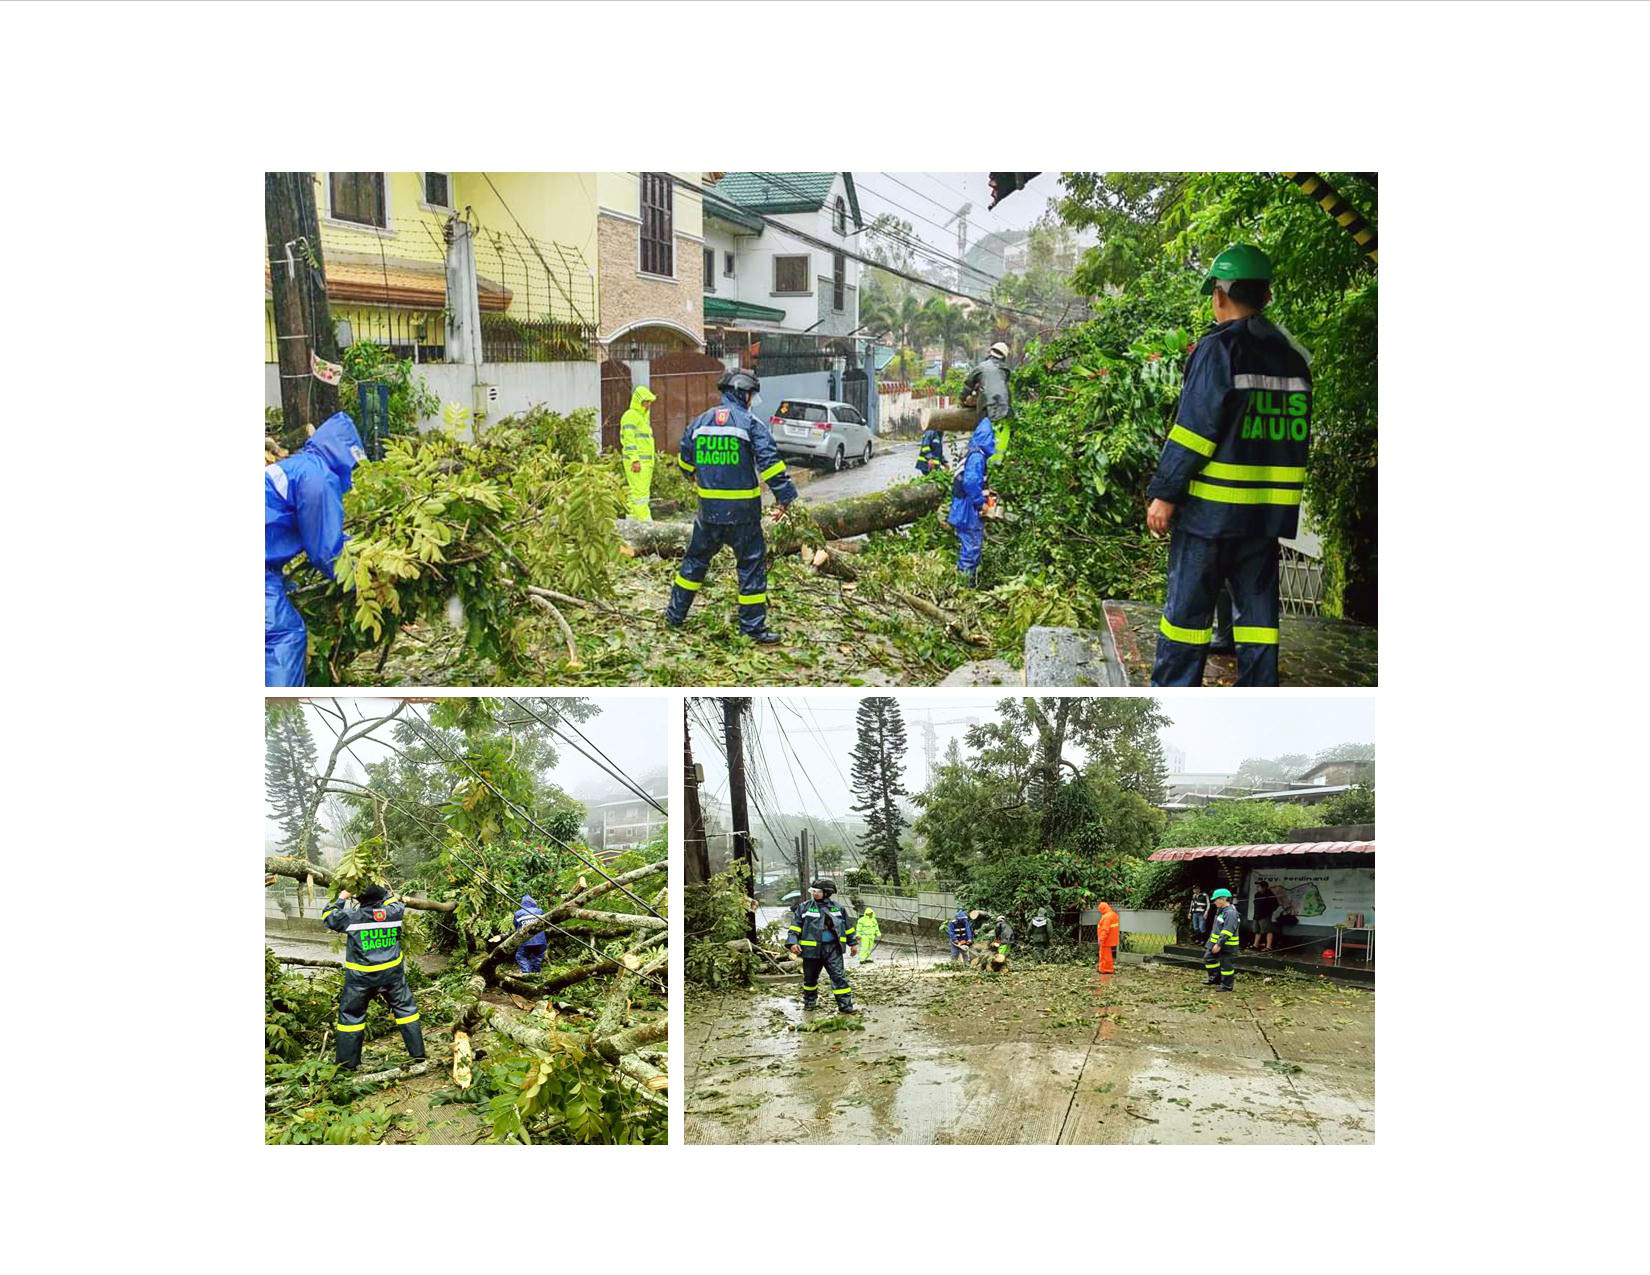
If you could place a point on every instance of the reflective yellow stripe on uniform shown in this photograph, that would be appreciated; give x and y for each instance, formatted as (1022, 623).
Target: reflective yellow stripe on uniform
(690, 585)
(1192, 637)
(687, 466)
(1247, 633)
(1245, 495)
(410, 1018)
(796, 929)
(1256, 473)
(751, 599)
(1194, 442)
(350, 1027)
(372, 969)
(808, 943)
(742, 493)
(778, 467)
(842, 991)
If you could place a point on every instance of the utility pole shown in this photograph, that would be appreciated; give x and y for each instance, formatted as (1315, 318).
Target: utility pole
(733, 710)
(298, 284)
(696, 870)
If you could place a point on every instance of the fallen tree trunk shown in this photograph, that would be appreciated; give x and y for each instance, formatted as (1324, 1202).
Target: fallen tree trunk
(371, 1080)
(281, 865)
(836, 520)
(833, 562)
(506, 949)
(304, 960)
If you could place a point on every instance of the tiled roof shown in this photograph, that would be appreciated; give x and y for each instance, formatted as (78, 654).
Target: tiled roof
(785, 192)
(1276, 849)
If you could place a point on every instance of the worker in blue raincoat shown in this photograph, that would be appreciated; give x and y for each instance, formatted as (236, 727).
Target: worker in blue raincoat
(931, 452)
(530, 955)
(960, 930)
(303, 513)
(968, 495)
(728, 451)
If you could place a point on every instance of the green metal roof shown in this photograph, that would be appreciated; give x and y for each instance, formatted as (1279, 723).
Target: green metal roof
(721, 210)
(785, 192)
(724, 308)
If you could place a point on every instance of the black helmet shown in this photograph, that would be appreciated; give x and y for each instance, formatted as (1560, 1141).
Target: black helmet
(825, 884)
(740, 381)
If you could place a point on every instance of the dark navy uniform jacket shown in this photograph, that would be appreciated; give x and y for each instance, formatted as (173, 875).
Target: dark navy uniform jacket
(728, 451)
(817, 923)
(1235, 460)
(373, 933)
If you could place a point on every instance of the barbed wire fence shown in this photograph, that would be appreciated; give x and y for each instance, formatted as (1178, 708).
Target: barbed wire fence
(388, 285)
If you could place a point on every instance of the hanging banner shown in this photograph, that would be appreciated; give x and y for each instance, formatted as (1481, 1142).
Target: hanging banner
(321, 370)
(1318, 896)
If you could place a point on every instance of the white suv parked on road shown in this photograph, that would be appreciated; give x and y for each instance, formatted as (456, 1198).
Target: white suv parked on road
(819, 429)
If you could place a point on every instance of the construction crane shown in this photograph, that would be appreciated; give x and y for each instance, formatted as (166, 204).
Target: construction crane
(930, 745)
(961, 218)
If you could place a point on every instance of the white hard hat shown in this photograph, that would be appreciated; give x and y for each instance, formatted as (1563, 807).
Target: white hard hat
(1000, 349)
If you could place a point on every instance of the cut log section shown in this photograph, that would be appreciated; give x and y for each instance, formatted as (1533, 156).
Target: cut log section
(835, 520)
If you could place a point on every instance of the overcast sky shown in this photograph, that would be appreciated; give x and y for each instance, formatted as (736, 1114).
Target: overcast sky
(629, 729)
(928, 200)
(806, 739)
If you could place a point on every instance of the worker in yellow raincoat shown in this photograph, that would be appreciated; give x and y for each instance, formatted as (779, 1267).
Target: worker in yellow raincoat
(868, 932)
(636, 439)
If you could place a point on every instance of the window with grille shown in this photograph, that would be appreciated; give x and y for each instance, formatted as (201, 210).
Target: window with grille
(438, 189)
(790, 274)
(727, 264)
(710, 270)
(841, 220)
(357, 197)
(839, 280)
(658, 232)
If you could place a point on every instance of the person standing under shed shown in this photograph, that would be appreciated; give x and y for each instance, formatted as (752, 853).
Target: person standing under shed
(1197, 911)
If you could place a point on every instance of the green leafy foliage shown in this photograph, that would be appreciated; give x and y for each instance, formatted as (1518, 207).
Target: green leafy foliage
(446, 532)
(411, 399)
(713, 915)
(568, 1096)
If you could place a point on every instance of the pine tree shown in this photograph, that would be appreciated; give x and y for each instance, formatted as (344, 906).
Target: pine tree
(289, 774)
(878, 779)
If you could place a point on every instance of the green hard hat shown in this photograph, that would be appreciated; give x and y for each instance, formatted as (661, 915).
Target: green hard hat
(1238, 261)
(1221, 894)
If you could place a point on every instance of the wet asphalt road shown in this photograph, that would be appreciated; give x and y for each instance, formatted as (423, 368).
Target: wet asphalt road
(890, 463)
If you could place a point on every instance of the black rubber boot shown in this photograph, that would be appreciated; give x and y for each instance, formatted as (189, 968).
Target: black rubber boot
(767, 637)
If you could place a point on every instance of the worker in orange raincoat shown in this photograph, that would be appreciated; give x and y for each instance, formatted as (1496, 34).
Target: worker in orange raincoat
(1108, 935)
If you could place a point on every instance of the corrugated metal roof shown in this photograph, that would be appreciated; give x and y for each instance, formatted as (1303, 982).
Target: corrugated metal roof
(1277, 849)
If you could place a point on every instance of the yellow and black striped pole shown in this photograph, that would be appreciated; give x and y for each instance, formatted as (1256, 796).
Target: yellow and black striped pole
(1347, 217)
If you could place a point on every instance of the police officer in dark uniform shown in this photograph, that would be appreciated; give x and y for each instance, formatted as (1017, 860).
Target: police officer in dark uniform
(820, 929)
(1219, 953)
(728, 451)
(1230, 477)
(931, 452)
(372, 967)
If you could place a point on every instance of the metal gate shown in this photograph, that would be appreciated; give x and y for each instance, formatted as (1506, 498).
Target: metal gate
(685, 384)
(856, 391)
(615, 401)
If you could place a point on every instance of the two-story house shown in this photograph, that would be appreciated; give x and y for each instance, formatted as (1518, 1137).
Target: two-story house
(569, 268)
(775, 248)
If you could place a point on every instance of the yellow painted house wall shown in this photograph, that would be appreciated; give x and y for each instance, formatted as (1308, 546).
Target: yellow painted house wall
(553, 208)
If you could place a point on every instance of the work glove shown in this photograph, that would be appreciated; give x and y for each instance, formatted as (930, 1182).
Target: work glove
(635, 466)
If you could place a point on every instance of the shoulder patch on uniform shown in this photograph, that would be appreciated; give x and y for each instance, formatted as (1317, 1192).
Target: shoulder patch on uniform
(723, 416)
(378, 914)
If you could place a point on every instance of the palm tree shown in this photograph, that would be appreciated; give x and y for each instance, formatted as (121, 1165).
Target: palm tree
(950, 325)
(900, 319)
